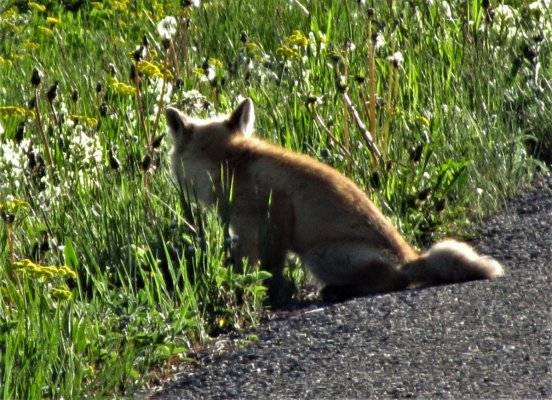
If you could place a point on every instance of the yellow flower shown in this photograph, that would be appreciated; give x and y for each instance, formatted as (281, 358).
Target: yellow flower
(12, 111)
(215, 62)
(10, 25)
(43, 271)
(46, 31)
(23, 264)
(287, 52)
(53, 21)
(198, 72)
(9, 13)
(36, 6)
(297, 39)
(119, 5)
(14, 205)
(76, 118)
(251, 46)
(30, 45)
(61, 293)
(121, 88)
(149, 69)
(158, 8)
(5, 61)
(423, 120)
(66, 271)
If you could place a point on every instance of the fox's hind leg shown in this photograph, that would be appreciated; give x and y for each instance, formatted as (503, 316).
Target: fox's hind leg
(354, 270)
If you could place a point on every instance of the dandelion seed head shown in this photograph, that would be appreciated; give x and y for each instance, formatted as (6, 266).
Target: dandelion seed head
(167, 27)
(396, 59)
(380, 42)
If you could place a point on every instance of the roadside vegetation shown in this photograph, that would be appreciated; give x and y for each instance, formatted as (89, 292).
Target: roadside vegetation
(109, 277)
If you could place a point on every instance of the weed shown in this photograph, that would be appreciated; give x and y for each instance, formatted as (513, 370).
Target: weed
(107, 270)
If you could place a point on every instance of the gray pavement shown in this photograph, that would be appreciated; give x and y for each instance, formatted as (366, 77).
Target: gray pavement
(486, 339)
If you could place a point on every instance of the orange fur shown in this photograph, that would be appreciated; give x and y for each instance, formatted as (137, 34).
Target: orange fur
(288, 202)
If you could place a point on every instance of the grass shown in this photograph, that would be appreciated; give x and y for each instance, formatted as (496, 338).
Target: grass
(124, 274)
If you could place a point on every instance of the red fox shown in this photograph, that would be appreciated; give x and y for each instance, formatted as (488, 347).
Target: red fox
(288, 202)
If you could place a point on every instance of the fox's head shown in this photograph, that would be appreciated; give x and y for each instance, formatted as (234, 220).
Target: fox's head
(199, 146)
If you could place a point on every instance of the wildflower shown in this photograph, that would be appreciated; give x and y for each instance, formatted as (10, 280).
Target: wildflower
(539, 5)
(5, 61)
(85, 151)
(504, 12)
(252, 46)
(27, 44)
(317, 41)
(61, 293)
(209, 73)
(215, 62)
(12, 111)
(198, 72)
(121, 88)
(119, 5)
(188, 3)
(66, 271)
(423, 120)
(396, 59)
(10, 25)
(167, 27)
(89, 121)
(36, 6)
(297, 39)
(139, 53)
(149, 69)
(46, 31)
(287, 52)
(378, 40)
(53, 21)
(14, 205)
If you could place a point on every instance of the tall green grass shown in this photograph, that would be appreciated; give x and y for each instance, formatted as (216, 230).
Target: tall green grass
(125, 274)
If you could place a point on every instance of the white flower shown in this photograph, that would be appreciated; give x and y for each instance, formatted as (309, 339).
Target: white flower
(396, 59)
(167, 27)
(209, 75)
(1, 129)
(446, 10)
(380, 41)
(539, 5)
(504, 12)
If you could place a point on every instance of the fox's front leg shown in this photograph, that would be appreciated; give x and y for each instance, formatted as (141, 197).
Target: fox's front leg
(265, 236)
(247, 245)
(275, 240)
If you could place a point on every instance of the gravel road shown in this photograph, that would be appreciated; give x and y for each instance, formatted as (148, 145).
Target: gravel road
(486, 339)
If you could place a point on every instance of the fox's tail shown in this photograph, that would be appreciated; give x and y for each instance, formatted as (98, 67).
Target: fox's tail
(450, 262)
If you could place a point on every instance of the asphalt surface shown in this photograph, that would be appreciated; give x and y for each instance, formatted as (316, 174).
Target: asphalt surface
(486, 339)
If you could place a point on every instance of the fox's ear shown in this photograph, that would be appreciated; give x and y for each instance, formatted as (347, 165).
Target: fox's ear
(176, 122)
(243, 118)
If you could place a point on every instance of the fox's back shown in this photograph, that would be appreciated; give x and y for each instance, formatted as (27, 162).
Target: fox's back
(326, 205)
